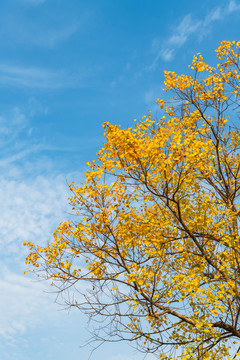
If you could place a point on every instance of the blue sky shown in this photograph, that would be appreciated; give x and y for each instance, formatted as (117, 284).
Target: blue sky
(65, 68)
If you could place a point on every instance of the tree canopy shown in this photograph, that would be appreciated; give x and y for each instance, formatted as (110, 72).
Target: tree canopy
(155, 235)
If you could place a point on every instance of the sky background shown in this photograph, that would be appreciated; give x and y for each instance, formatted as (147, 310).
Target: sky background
(67, 66)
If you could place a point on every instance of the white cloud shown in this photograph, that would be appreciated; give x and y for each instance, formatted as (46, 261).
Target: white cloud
(216, 14)
(30, 210)
(166, 54)
(33, 77)
(17, 28)
(11, 125)
(187, 27)
(16, 139)
(23, 304)
(31, 204)
(16, 119)
(53, 37)
(180, 35)
(7, 161)
(233, 6)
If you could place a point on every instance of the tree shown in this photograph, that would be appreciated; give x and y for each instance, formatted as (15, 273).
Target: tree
(155, 235)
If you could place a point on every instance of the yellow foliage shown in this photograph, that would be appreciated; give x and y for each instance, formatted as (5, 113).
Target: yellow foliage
(157, 226)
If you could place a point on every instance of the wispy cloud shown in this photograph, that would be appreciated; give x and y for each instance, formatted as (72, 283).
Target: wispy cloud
(50, 31)
(16, 132)
(181, 33)
(33, 194)
(29, 202)
(30, 209)
(187, 27)
(34, 77)
(22, 305)
(233, 6)
(52, 37)
(12, 123)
